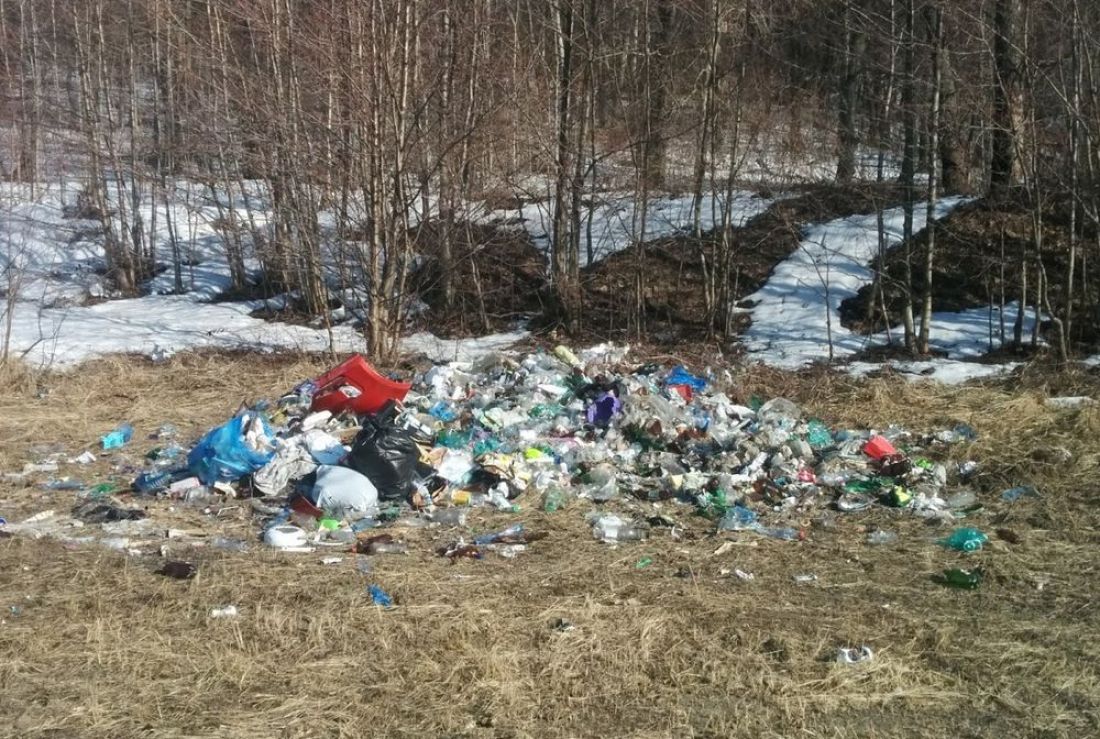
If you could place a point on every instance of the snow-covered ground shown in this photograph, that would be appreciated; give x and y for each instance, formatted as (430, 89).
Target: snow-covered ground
(51, 264)
(53, 261)
(612, 222)
(796, 314)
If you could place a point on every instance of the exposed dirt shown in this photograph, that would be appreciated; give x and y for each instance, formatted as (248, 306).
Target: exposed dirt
(980, 252)
(676, 269)
(572, 638)
(498, 276)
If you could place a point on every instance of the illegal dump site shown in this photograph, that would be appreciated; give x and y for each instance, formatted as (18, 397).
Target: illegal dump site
(544, 541)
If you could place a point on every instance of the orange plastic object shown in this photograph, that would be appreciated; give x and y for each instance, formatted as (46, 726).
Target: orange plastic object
(878, 447)
(374, 389)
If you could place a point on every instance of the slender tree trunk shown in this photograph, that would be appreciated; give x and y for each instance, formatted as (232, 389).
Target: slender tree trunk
(1007, 97)
(936, 23)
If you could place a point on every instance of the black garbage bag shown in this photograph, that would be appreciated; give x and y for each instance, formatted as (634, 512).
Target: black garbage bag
(387, 454)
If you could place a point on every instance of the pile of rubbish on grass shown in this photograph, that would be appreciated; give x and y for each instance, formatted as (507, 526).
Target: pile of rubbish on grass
(346, 461)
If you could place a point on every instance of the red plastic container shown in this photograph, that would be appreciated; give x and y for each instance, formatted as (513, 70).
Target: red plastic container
(878, 447)
(374, 389)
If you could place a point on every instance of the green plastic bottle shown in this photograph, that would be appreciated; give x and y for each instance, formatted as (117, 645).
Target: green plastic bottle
(961, 579)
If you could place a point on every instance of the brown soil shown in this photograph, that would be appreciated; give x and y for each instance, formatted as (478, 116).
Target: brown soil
(97, 645)
(674, 270)
(978, 256)
(498, 276)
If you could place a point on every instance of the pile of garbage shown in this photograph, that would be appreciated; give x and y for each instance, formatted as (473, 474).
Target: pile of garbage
(353, 451)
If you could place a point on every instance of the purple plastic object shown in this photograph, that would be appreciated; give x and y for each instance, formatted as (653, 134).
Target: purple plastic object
(603, 408)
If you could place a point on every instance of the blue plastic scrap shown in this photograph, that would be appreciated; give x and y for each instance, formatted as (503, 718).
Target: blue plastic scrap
(680, 376)
(380, 597)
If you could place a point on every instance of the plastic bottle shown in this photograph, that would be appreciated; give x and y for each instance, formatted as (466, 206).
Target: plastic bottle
(737, 518)
(363, 524)
(962, 499)
(961, 579)
(229, 545)
(965, 540)
(1023, 491)
(786, 534)
(449, 516)
(881, 537)
(510, 532)
(817, 434)
(555, 499)
(611, 528)
(148, 482)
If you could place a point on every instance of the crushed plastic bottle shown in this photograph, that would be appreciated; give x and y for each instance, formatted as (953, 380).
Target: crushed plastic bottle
(148, 482)
(817, 434)
(556, 498)
(610, 528)
(1022, 491)
(880, 537)
(511, 532)
(965, 540)
(961, 579)
(780, 532)
(449, 516)
(738, 518)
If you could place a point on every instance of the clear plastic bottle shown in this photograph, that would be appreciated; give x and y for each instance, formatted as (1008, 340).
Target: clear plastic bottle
(786, 534)
(611, 528)
(449, 516)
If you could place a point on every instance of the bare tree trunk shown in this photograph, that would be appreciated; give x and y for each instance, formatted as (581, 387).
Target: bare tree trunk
(936, 23)
(855, 46)
(908, 165)
(706, 121)
(560, 239)
(1007, 97)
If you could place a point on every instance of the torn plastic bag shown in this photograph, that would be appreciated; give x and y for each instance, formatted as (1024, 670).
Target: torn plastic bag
(238, 447)
(291, 462)
(387, 454)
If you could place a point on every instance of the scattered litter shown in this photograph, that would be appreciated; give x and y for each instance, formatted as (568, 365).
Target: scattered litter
(854, 655)
(341, 460)
(118, 438)
(803, 579)
(961, 579)
(562, 625)
(379, 597)
(331, 560)
(741, 574)
(1069, 402)
(1022, 491)
(965, 540)
(224, 612)
(286, 537)
(178, 570)
(881, 537)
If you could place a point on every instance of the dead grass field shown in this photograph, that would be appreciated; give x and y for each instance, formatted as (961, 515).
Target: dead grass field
(103, 647)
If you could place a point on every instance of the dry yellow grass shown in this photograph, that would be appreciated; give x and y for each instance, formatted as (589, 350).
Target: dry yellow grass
(104, 648)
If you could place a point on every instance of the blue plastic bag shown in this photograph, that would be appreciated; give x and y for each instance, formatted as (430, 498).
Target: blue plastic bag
(680, 376)
(224, 454)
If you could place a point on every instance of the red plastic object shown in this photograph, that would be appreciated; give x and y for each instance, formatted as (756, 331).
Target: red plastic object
(878, 447)
(685, 392)
(374, 389)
